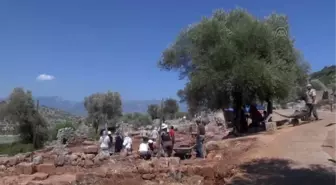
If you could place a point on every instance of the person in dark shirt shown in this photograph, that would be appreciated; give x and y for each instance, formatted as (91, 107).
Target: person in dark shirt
(118, 143)
(166, 141)
(200, 139)
(256, 117)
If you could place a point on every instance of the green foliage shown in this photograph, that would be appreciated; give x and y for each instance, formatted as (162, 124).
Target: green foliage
(136, 119)
(15, 148)
(58, 126)
(154, 111)
(327, 75)
(21, 110)
(170, 108)
(233, 57)
(55, 116)
(103, 107)
(318, 85)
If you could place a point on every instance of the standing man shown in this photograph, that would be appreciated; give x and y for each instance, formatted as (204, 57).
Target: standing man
(200, 139)
(166, 141)
(154, 134)
(311, 101)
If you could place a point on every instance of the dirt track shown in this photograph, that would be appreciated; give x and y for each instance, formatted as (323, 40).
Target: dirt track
(294, 155)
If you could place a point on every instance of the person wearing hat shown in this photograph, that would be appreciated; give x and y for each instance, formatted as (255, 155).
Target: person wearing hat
(166, 140)
(110, 144)
(151, 145)
(311, 101)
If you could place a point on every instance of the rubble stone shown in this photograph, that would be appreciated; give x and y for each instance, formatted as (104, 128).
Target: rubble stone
(38, 160)
(65, 134)
(93, 149)
(48, 168)
(60, 160)
(40, 176)
(25, 168)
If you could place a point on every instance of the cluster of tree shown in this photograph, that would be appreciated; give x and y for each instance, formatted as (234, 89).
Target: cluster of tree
(136, 119)
(103, 108)
(21, 110)
(169, 110)
(233, 59)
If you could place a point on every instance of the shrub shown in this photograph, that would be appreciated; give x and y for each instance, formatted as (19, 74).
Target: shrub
(15, 148)
(58, 126)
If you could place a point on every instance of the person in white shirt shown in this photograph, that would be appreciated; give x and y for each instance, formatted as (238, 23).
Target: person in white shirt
(154, 134)
(104, 141)
(311, 101)
(144, 150)
(127, 144)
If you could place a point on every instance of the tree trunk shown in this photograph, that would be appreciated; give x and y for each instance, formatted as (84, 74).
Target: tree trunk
(240, 123)
(269, 107)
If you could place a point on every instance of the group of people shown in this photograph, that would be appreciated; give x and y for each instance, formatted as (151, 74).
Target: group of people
(121, 142)
(150, 142)
(148, 147)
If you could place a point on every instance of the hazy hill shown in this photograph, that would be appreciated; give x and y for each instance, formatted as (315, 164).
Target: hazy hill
(325, 75)
(52, 116)
(78, 108)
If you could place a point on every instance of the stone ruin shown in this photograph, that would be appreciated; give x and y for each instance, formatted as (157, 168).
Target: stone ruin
(69, 135)
(65, 135)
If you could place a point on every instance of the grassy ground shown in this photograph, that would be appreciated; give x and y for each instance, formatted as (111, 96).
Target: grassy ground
(5, 139)
(9, 145)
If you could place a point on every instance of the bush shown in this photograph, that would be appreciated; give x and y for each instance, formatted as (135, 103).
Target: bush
(137, 119)
(15, 148)
(58, 126)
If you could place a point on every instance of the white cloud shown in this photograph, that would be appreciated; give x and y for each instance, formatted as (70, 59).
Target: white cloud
(44, 77)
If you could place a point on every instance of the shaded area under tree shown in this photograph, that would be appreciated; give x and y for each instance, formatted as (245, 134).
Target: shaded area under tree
(281, 172)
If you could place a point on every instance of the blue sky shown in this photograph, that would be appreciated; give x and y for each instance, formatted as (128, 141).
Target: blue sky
(91, 46)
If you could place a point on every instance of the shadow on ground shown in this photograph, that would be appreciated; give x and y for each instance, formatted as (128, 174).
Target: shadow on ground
(280, 172)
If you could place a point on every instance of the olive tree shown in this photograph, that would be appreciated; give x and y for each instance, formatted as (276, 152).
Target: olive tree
(21, 111)
(154, 111)
(170, 108)
(233, 58)
(103, 107)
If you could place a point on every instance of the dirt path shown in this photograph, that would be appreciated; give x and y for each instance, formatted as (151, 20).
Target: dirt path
(294, 155)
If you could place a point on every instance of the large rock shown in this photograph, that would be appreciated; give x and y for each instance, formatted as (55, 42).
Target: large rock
(48, 168)
(38, 160)
(145, 167)
(25, 168)
(60, 149)
(60, 160)
(93, 149)
(40, 176)
(211, 145)
(271, 126)
(82, 131)
(174, 161)
(64, 135)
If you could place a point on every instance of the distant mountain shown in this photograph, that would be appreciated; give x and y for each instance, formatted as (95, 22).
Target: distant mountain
(78, 108)
(326, 75)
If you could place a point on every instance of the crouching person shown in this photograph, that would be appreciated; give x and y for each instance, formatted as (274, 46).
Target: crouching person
(144, 150)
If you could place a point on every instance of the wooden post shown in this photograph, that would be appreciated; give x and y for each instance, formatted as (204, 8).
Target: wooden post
(35, 125)
(161, 119)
